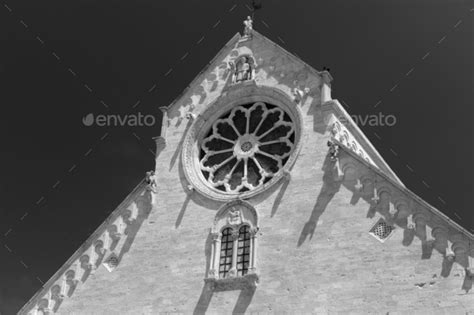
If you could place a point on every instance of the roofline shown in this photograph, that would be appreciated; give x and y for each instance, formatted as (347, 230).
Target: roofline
(361, 134)
(295, 57)
(407, 191)
(201, 73)
(100, 229)
(339, 107)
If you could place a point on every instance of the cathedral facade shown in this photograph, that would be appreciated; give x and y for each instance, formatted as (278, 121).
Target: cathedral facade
(266, 198)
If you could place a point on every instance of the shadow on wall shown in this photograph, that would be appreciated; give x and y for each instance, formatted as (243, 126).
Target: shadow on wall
(279, 197)
(182, 211)
(209, 288)
(180, 144)
(197, 198)
(243, 301)
(144, 205)
(133, 226)
(331, 185)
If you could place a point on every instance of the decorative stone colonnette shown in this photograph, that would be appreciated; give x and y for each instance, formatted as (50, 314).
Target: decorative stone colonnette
(102, 248)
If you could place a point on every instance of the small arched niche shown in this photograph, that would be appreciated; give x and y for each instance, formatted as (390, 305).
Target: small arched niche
(243, 69)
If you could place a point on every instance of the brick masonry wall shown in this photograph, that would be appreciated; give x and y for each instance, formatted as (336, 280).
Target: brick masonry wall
(337, 268)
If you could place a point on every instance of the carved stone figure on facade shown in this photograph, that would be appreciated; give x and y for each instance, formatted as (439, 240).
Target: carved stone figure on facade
(232, 69)
(248, 23)
(243, 70)
(150, 180)
(235, 216)
(190, 116)
(333, 150)
(299, 94)
(335, 129)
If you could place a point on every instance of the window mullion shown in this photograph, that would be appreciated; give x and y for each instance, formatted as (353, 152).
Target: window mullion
(235, 239)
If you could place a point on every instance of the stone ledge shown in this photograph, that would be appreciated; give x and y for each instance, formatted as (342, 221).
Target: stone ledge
(234, 283)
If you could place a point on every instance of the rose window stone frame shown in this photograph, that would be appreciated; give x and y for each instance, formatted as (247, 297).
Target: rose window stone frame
(203, 136)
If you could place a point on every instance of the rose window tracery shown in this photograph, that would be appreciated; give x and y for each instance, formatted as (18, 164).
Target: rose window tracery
(246, 147)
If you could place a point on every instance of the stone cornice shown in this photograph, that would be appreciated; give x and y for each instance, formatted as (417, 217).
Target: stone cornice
(435, 216)
(97, 246)
(338, 110)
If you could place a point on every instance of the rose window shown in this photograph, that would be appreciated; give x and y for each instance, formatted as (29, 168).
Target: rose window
(246, 147)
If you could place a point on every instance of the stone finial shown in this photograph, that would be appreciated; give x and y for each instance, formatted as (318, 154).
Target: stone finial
(326, 85)
(248, 27)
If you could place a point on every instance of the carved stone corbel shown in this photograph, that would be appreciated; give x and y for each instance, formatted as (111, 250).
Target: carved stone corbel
(440, 234)
(421, 219)
(450, 255)
(461, 250)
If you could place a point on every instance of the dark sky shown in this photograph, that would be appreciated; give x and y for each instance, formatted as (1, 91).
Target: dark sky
(61, 60)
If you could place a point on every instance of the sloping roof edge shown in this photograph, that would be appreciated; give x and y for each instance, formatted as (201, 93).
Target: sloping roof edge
(353, 128)
(84, 246)
(409, 193)
(198, 77)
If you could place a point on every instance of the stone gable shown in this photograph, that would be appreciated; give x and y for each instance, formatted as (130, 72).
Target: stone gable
(317, 248)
